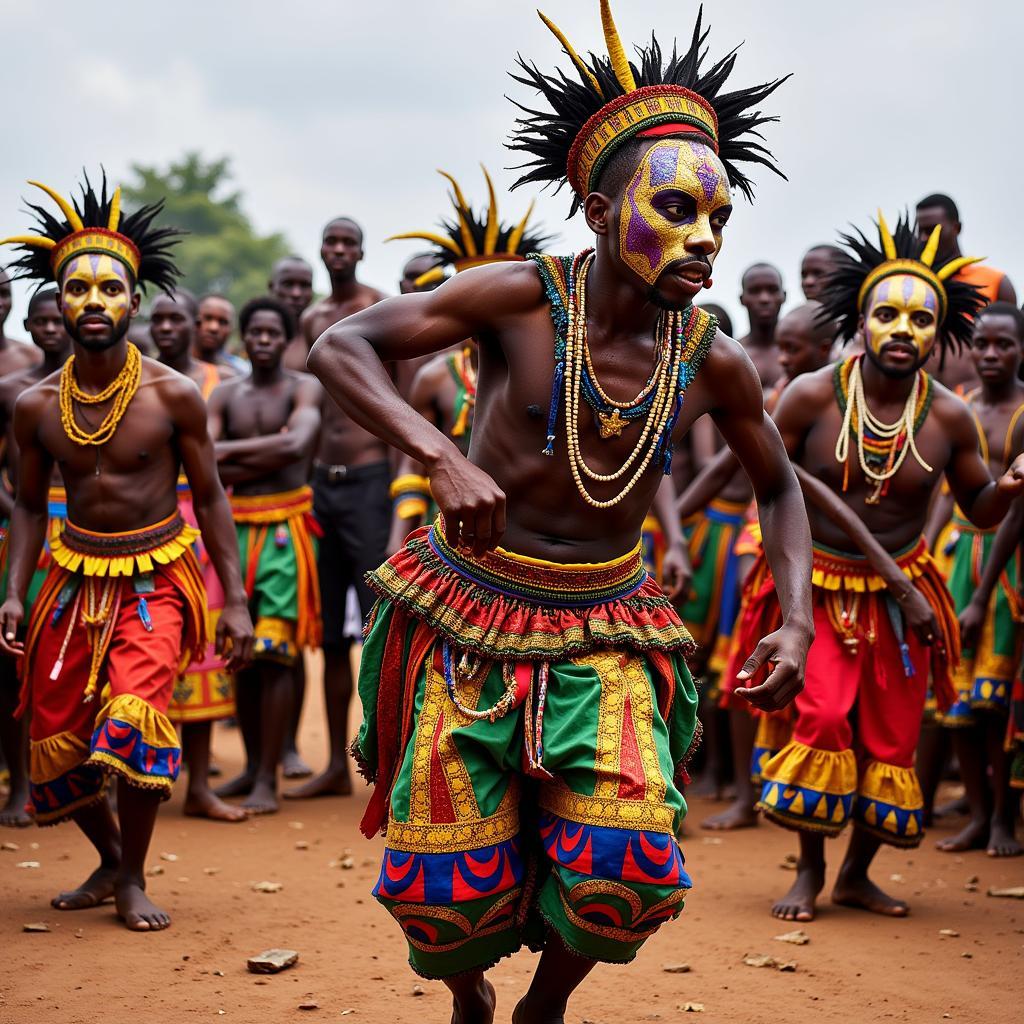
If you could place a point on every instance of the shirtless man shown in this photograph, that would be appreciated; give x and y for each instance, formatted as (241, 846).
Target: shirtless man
(521, 609)
(205, 693)
(265, 426)
(291, 283)
(351, 475)
(873, 436)
(988, 628)
(14, 355)
(762, 296)
(119, 427)
(213, 331)
(46, 328)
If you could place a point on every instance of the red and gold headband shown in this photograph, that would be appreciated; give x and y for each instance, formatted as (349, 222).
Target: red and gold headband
(81, 240)
(643, 111)
(921, 268)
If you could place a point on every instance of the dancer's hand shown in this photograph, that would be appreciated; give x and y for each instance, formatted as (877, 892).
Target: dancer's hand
(1011, 483)
(919, 616)
(971, 620)
(785, 654)
(677, 573)
(234, 636)
(11, 614)
(472, 504)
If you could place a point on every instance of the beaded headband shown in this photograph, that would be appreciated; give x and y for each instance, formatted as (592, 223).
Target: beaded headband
(921, 267)
(83, 239)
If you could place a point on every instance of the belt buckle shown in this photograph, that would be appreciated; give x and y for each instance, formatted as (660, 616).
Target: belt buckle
(335, 474)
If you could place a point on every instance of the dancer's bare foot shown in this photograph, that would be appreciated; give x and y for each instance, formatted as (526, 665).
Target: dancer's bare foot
(862, 893)
(973, 836)
(740, 814)
(262, 799)
(525, 1014)
(96, 889)
(798, 903)
(293, 767)
(14, 814)
(478, 1008)
(205, 804)
(240, 785)
(137, 910)
(332, 782)
(1002, 842)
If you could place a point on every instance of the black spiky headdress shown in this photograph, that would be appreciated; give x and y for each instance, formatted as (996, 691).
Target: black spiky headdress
(472, 240)
(95, 225)
(864, 264)
(616, 100)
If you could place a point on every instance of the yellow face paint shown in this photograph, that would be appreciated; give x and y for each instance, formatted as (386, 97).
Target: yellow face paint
(96, 285)
(902, 308)
(677, 199)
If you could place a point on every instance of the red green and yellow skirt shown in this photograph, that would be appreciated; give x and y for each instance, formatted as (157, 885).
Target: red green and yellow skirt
(839, 766)
(277, 537)
(526, 727)
(984, 677)
(116, 618)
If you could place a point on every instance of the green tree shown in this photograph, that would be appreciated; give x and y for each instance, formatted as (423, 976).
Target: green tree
(222, 251)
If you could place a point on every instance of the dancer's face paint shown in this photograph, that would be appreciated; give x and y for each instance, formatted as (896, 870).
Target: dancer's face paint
(902, 310)
(674, 208)
(96, 299)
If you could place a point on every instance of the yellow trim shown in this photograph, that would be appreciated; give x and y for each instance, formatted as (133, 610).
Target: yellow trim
(122, 565)
(904, 266)
(271, 508)
(90, 241)
(154, 726)
(729, 508)
(824, 771)
(408, 482)
(55, 756)
(453, 837)
(860, 576)
(410, 507)
(891, 784)
(545, 564)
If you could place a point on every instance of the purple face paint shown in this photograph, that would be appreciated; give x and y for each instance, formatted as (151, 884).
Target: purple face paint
(641, 238)
(909, 284)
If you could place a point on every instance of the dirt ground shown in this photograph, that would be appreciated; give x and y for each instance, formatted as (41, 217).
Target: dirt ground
(856, 968)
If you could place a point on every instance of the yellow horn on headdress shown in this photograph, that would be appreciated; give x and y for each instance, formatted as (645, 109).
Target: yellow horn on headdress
(429, 277)
(517, 234)
(888, 243)
(65, 207)
(115, 210)
(567, 46)
(429, 236)
(953, 266)
(463, 210)
(491, 231)
(36, 241)
(617, 55)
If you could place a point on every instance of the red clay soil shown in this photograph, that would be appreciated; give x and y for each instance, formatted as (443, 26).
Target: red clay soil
(857, 967)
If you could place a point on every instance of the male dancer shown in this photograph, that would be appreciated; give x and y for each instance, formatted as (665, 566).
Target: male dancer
(213, 330)
(351, 474)
(14, 355)
(291, 283)
(988, 613)
(123, 600)
(818, 263)
(444, 388)
(874, 434)
(204, 693)
(804, 341)
(265, 426)
(46, 328)
(938, 211)
(549, 676)
(762, 295)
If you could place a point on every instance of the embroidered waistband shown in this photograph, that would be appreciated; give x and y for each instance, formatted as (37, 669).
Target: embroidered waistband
(271, 508)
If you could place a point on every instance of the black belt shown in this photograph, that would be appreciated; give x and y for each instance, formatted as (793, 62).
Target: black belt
(327, 474)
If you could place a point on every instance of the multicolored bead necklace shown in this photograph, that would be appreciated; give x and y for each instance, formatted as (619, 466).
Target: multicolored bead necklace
(882, 448)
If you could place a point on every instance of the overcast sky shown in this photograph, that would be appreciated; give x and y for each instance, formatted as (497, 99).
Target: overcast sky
(348, 107)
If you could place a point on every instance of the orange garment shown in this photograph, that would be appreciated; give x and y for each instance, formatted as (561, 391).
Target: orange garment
(985, 278)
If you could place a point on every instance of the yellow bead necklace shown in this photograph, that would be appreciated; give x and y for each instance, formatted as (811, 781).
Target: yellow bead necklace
(122, 389)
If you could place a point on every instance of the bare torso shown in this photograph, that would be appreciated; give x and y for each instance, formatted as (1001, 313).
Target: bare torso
(1002, 425)
(16, 355)
(11, 387)
(342, 441)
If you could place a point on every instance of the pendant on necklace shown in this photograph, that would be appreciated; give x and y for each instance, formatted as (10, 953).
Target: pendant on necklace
(611, 425)
(875, 496)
